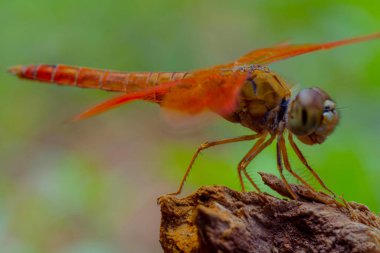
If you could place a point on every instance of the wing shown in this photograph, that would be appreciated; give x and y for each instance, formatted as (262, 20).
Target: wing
(204, 90)
(217, 88)
(283, 51)
(151, 94)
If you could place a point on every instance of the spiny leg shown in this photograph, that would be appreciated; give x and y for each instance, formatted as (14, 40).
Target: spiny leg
(285, 158)
(208, 145)
(281, 168)
(335, 201)
(303, 160)
(249, 157)
(241, 164)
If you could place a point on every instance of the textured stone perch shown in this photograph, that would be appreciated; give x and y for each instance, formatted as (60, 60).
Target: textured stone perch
(218, 219)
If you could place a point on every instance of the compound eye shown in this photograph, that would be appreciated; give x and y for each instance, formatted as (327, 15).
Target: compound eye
(305, 114)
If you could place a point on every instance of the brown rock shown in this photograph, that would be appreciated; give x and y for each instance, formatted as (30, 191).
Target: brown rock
(218, 219)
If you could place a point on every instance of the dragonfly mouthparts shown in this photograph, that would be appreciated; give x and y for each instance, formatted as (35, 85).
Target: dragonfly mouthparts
(15, 70)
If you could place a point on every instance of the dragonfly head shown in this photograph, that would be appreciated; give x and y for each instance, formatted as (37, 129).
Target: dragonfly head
(312, 116)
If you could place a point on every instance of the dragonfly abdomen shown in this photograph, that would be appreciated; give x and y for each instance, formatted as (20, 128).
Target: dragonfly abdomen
(95, 78)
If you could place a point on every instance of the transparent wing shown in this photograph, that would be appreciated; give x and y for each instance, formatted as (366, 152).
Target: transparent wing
(215, 89)
(204, 90)
(150, 94)
(212, 89)
(283, 51)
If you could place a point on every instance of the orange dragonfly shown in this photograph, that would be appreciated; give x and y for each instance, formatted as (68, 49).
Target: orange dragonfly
(245, 91)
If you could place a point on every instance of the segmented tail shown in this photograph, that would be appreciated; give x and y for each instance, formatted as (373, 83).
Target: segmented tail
(95, 78)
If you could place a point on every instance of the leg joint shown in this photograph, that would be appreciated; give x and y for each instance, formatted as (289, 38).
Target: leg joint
(204, 145)
(242, 165)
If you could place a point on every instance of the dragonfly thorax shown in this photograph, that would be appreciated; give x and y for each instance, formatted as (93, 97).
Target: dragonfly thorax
(311, 116)
(262, 103)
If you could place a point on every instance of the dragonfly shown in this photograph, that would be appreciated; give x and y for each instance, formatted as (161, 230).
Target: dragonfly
(245, 91)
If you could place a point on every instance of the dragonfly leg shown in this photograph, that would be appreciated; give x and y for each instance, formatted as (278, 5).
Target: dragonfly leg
(209, 145)
(244, 163)
(285, 158)
(281, 168)
(259, 146)
(303, 160)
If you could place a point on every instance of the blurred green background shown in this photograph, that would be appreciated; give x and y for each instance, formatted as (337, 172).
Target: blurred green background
(92, 186)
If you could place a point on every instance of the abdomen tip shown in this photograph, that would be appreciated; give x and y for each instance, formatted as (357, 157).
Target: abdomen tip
(15, 70)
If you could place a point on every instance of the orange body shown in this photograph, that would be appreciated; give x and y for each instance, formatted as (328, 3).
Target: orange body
(244, 91)
(95, 78)
(222, 88)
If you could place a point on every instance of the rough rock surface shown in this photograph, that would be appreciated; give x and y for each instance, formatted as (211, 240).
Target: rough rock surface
(218, 219)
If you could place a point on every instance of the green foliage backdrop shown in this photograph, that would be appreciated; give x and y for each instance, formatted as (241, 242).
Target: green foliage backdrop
(91, 186)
